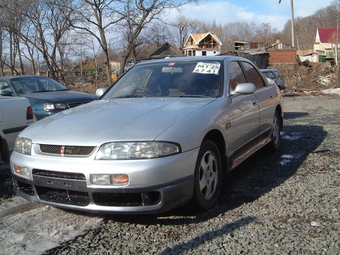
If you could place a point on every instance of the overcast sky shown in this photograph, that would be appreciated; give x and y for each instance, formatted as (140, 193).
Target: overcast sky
(257, 11)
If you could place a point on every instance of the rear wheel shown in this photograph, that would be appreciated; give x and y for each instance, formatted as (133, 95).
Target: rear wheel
(276, 138)
(208, 176)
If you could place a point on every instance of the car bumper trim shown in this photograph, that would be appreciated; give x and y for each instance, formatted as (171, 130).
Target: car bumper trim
(73, 194)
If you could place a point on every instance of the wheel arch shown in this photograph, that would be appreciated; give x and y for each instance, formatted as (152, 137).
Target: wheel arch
(217, 137)
(4, 153)
(280, 111)
(1, 143)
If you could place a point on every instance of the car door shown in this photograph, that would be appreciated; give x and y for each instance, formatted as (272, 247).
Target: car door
(244, 110)
(264, 95)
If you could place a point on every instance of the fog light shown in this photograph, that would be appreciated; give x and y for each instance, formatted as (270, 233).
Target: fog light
(23, 171)
(100, 179)
(120, 179)
(108, 179)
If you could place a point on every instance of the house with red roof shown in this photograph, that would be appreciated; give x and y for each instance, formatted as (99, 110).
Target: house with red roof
(326, 41)
(206, 44)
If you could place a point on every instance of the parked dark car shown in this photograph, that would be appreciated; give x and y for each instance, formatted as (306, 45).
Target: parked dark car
(275, 75)
(46, 95)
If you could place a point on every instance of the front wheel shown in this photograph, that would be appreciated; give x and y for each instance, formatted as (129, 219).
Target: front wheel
(208, 176)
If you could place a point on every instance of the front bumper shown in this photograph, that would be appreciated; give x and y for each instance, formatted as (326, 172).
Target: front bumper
(153, 188)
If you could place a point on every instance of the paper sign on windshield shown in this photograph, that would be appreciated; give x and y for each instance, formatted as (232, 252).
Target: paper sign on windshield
(207, 68)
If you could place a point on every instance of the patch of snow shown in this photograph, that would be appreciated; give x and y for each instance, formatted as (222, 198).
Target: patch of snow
(331, 91)
(292, 137)
(28, 228)
(325, 81)
(286, 159)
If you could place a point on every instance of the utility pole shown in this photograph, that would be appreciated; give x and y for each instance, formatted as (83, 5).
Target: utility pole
(337, 43)
(292, 21)
(337, 34)
(337, 39)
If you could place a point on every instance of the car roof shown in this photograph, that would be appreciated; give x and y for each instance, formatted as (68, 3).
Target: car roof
(269, 70)
(23, 76)
(193, 58)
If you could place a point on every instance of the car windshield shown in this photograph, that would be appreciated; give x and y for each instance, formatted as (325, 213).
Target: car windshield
(170, 79)
(27, 85)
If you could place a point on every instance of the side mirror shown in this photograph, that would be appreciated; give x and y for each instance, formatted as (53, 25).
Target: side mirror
(6, 93)
(245, 88)
(100, 92)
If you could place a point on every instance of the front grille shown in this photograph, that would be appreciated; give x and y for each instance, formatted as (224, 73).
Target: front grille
(58, 175)
(71, 105)
(66, 150)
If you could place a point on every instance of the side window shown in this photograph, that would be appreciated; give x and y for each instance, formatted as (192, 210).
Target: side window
(236, 75)
(252, 75)
(5, 88)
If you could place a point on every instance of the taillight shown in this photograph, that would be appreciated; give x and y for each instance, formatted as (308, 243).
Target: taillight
(29, 113)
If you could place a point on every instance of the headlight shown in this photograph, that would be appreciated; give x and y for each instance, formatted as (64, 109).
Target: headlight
(50, 106)
(23, 145)
(136, 150)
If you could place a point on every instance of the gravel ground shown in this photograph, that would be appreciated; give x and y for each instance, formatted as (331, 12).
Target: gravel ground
(286, 202)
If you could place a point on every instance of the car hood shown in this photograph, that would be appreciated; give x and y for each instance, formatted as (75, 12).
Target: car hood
(66, 96)
(113, 120)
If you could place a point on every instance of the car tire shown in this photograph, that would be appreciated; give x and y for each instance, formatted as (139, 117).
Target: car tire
(208, 177)
(276, 137)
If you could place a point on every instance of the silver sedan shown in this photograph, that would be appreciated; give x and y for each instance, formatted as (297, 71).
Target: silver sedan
(163, 135)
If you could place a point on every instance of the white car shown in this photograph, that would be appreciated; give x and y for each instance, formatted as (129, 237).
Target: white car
(163, 135)
(15, 115)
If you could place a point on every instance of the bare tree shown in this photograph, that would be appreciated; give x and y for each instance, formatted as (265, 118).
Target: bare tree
(138, 14)
(12, 21)
(96, 17)
(46, 30)
(182, 30)
(265, 33)
(183, 27)
(1, 52)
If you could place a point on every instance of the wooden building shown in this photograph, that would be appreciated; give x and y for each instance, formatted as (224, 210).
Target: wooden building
(206, 44)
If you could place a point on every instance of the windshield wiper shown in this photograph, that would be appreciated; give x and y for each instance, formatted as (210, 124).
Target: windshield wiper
(192, 96)
(46, 90)
(127, 96)
(53, 90)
